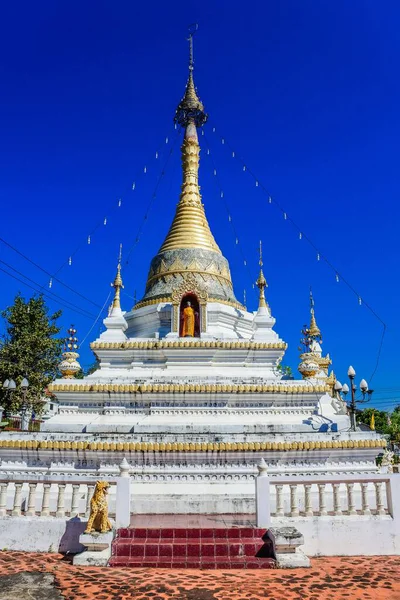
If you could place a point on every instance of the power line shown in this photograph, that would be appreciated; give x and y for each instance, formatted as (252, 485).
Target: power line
(61, 301)
(46, 272)
(51, 293)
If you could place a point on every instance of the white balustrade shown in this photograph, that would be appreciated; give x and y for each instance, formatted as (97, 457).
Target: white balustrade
(279, 501)
(89, 494)
(3, 499)
(16, 511)
(75, 501)
(350, 499)
(61, 501)
(294, 511)
(31, 511)
(46, 500)
(337, 509)
(52, 498)
(322, 504)
(364, 496)
(379, 501)
(345, 496)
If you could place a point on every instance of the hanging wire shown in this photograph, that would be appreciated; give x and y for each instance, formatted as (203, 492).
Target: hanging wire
(222, 195)
(96, 319)
(153, 197)
(131, 187)
(321, 256)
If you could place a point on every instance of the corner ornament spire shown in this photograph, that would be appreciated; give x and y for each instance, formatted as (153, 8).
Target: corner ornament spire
(313, 364)
(117, 283)
(261, 282)
(313, 331)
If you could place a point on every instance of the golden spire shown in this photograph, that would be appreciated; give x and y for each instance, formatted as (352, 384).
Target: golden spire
(261, 283)
(190, 228)
(117, 283)
(313, 330)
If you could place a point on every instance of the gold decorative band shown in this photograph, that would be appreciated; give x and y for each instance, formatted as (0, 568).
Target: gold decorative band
(168, 299)
(193, 343)
(181, 388)
(184, 272)
(189, 446)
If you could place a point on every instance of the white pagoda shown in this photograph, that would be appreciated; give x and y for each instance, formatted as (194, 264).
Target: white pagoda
(188, 387)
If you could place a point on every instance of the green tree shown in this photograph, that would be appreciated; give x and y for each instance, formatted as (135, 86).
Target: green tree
(29, 349)
(93, 367)
(381, 418)
(285, 370)
(385, 422)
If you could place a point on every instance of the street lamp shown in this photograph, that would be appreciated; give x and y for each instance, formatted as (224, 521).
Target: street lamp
(344, 389)
(10, 386)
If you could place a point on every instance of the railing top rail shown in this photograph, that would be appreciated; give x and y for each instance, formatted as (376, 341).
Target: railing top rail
(55, 480)
(315, 479)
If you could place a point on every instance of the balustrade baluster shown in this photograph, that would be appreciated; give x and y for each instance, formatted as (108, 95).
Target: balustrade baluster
(294, 511)
(350, 499)
(45, 511)
(61, 500)
(379, 498)
(322, 504)
(75, 501)
(16, 511)
(31, 500)
(3, 499)
(90, 489)
(364, 499)
(279, 501)
(307, 500)
(337, 509)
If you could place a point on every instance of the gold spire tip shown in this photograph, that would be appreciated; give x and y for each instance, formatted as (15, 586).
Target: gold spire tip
(117, 283)
(261, 282)
(314, 330)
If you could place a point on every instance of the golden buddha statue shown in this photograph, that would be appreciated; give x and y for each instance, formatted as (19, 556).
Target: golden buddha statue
(189, 319)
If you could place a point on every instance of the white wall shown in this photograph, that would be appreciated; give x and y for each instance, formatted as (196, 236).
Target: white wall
(41, 534)
(344, 536)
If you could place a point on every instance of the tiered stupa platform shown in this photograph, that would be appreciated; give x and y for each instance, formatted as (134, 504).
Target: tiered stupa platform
(188, 388)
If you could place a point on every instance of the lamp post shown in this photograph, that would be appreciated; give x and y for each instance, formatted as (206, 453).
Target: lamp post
(344, 390)
(10, 386)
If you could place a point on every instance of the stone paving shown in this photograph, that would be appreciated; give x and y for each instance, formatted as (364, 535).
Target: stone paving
(51, 576)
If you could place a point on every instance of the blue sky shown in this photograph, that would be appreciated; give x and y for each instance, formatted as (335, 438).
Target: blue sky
(307, 93)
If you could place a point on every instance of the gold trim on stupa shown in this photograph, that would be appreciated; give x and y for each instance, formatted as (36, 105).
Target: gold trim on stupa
(189, 251)
(190, 228)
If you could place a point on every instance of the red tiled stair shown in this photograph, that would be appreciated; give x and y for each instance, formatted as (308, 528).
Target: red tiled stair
(222, 548)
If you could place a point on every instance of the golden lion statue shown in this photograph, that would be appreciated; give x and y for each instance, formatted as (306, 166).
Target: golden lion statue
(98, 519)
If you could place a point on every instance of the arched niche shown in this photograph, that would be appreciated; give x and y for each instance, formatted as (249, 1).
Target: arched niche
(189, 301)
(189, 287)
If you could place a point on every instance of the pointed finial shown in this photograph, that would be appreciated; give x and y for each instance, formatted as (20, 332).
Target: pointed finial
(71, 341)
(261, 282)
(190, 109)
(69, 365)
(313, 330)
(192, 30)
(117, 283)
